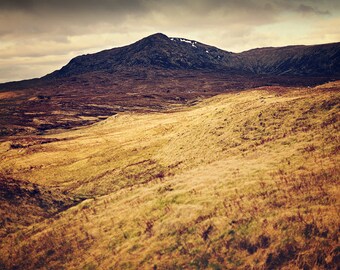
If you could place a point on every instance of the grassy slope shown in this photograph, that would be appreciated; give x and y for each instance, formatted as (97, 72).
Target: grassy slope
(240, 180)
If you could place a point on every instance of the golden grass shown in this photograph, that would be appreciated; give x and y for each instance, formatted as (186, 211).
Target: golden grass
(239, 181)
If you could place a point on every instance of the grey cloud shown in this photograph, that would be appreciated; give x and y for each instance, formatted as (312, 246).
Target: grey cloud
(308, 9)
(135, 6)
(72, 5)
(74, 17)
(144, 5)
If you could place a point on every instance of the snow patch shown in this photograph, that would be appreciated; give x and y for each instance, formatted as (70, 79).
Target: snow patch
(191, 42)
(185, 40)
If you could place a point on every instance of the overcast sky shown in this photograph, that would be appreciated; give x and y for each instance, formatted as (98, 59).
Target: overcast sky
(39, 36)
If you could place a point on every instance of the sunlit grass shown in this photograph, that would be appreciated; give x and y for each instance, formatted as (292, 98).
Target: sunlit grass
(238, 181)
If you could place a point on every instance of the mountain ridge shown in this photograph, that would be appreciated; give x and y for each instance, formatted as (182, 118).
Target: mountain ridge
(160, 51)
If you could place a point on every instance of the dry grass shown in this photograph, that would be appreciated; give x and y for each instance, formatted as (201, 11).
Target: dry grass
(239, 181)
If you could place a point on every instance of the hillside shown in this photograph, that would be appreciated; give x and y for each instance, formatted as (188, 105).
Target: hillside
(155, 51)
(313, 60)
(240, 180)
(162, 52)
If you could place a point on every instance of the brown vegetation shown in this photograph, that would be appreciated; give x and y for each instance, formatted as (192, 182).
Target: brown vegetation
(243, 180)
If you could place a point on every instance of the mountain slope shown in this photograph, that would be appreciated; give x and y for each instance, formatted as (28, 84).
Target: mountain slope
(160, 51)
(245, 180)
(156, 51)
(316, 60)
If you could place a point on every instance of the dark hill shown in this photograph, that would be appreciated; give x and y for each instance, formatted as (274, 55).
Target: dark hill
(315, 60)
(161, 52)
(156, 51)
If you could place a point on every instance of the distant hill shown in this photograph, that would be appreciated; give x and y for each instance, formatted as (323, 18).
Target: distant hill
(161, 52)
(314, 60)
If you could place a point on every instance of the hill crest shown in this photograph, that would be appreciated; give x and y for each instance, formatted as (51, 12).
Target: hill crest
(159, 51)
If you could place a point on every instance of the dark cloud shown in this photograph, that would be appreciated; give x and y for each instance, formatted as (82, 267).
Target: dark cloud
(72, 5)
(310, 10)
(56, 18)
(145, 5)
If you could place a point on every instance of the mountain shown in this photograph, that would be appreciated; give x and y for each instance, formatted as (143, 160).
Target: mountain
(315, 60)
(161, 52)
(154, 74)
(156, 51)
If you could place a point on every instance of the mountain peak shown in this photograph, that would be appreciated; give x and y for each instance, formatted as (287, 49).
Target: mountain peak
(154, 39)
(157, 36)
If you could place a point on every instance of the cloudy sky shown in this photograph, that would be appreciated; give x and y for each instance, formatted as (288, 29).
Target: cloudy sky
(39, 36)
